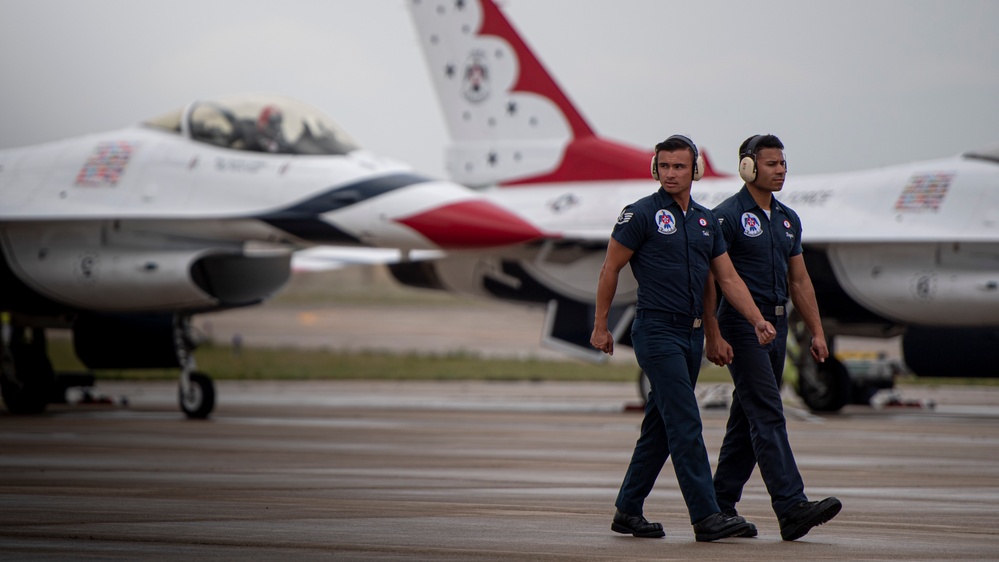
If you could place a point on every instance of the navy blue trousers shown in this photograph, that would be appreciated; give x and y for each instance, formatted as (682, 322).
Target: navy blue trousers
(670, 355)
(756, 430)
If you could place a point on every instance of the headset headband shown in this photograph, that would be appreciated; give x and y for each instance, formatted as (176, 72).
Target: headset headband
(685, 141)
(751, 148)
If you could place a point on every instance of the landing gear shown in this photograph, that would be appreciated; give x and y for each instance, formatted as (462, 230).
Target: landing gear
(146, 341)
(28, 382)
(823, 387)
(197, 395)
(26, 375)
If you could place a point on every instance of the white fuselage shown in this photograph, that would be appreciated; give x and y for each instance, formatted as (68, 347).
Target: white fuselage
(118, 221)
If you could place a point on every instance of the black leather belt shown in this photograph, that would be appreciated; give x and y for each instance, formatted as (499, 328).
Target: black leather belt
(674, 318)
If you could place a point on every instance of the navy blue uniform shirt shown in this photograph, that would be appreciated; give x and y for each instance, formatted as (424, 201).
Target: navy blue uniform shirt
(672, 251)
(759, 246)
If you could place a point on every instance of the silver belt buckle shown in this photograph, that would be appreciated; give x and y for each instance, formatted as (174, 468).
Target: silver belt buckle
(697, 323)
(779, 310)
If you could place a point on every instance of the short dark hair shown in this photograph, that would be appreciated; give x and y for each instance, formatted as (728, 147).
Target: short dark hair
(764, 141)
(674, 143)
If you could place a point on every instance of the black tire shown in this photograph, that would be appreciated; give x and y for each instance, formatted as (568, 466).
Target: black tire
(200, 401)
(824, 387)
(26, 376)
(25, 397)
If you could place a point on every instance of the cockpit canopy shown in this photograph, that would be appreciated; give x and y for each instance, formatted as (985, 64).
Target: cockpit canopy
(258, 123)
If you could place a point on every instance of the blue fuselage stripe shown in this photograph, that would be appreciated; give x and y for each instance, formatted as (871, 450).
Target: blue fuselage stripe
(304, 221)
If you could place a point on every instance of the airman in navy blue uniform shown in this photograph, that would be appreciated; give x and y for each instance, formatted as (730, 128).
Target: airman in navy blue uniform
(671, 243)
(764, 242)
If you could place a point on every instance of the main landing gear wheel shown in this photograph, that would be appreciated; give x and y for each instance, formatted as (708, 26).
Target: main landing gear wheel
(26, 374)
(823, 387)
(198, 400)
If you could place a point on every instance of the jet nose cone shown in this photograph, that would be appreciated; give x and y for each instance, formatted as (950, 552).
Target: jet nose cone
(471, 224)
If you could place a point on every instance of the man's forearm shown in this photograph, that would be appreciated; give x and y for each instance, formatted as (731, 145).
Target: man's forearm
(606, 288)
(738, 295)
(711, 328)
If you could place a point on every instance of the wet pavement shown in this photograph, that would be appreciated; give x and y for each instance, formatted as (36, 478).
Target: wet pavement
(466, 471)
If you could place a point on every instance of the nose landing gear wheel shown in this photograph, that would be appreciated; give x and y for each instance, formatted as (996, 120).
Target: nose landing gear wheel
(199, 400)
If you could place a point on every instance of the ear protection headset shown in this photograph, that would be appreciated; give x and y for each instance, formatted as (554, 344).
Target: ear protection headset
(747, 162)
(698, 159)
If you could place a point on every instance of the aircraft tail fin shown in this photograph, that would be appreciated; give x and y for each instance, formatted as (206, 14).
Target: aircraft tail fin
(510, 122)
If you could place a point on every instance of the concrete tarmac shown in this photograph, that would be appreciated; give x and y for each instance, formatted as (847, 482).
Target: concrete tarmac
(466, 471)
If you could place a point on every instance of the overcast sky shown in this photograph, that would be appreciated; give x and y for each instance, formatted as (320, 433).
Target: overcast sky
(847, 84)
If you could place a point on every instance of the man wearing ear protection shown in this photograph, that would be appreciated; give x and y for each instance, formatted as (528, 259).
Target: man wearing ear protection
(764, 242)
(671, 243)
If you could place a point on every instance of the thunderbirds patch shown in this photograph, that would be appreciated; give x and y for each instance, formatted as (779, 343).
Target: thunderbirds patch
(751, 225)
(665, 221)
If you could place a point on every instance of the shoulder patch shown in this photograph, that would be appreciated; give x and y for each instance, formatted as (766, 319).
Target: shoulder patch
(625, 216)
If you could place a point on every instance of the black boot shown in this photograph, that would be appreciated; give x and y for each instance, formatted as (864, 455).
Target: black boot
(801, 518)
(636, 526)
(751, 532)
(718, 526)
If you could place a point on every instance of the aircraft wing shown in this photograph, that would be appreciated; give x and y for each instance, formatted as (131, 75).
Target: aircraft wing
(324, 258)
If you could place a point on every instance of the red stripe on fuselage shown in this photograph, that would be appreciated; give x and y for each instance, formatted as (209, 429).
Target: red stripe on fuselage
(472, 224)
